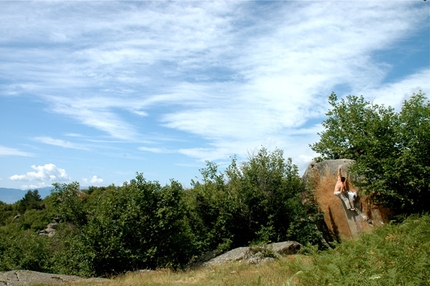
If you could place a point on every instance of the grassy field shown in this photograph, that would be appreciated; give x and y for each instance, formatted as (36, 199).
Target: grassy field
(390, 255)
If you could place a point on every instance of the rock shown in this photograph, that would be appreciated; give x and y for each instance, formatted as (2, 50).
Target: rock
(256, 254)
(341, 222)
(53, 225)
(25, 277)
(232, 255)
(286, 247)
(50, 229)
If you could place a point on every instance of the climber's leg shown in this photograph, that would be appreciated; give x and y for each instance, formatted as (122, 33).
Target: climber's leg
(344, 198)
(352, 196)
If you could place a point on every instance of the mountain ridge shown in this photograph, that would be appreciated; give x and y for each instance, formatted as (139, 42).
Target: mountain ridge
(12, 195)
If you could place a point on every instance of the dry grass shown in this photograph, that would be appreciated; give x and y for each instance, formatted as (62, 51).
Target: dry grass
(234, 273)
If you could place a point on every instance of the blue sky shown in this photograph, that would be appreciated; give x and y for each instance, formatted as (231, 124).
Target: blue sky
(95, 91)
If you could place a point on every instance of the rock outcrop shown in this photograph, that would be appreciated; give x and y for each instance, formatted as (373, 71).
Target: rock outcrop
(256, 254)
(342, 222)
(50, 229)
(25, 277)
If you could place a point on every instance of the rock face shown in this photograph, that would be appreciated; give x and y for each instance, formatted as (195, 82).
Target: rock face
(342, 222)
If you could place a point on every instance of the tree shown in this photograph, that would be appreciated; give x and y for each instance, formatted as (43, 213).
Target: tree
(69, 201)
(391, 148)
(268, 189)
(257, 201)
(212, 210)
(31, 200)
(140, 225)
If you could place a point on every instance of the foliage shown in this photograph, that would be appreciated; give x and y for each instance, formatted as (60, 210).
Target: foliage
(136, 226)
(391, 148)
(69, 202)
(390, 255)
(70, 254)
(212, 210)
(394, 254)
(6, 213)
(256, 202)
(31, 200)
(22, 249)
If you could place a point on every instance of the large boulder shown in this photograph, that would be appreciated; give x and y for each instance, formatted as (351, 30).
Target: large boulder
(342, 223)
(255, 254)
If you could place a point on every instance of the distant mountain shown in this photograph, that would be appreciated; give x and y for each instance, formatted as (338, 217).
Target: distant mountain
(10, 196)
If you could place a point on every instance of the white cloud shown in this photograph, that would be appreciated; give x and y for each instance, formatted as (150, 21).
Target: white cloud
(5, 151)
(394, 94)
(60, 143)
(48, 173)
(94, 181)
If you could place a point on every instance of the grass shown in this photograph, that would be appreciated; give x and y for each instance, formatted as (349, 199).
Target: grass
(390, 255)
(235, 273)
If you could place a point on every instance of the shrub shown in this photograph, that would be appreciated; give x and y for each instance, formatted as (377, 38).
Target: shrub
(391, 255)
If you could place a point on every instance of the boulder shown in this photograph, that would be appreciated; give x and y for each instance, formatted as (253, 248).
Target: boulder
(50, 229)
(256, 254)
(285, 247)
(26, 277)
(341, 222)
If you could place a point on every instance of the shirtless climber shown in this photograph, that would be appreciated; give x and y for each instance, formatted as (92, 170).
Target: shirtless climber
(341, 191)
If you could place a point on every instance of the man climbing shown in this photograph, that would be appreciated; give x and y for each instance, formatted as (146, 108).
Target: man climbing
(341, 190)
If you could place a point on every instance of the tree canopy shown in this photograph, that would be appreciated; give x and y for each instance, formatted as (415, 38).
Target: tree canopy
(391, 148)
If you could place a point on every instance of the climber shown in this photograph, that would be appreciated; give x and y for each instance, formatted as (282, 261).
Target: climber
(341, 190)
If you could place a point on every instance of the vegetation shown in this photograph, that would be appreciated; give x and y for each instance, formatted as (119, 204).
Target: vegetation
(256, 202)
(391, 149)
(143, 225)
(394, 254)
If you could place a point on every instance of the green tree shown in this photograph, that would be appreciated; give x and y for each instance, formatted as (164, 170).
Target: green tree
(31, 200)
(140, 225)
(6, 213)
(69, 202)
(213, 210)
(268, 189)
(253, 202)
(391, 148)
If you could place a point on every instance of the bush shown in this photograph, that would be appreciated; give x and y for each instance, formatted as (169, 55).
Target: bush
(140, 225)
(256, 202)
(391, 255)
(23, 250)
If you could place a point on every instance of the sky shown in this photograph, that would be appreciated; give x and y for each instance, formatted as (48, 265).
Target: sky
(95, 91)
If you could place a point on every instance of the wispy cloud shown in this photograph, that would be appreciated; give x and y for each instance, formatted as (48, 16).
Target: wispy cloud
(394, 94)
(156, 150)
(234, 74)
(60, 143)
(5, 151)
